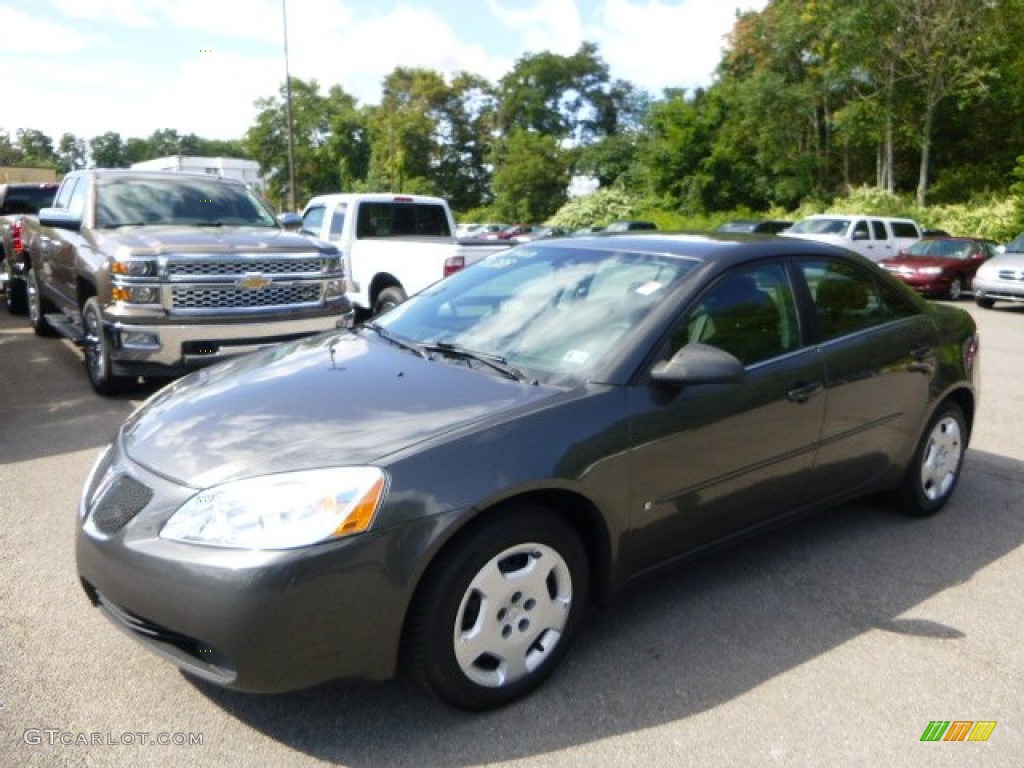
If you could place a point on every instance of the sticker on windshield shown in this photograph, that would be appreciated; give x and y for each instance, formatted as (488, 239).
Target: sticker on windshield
(649, 287)
(575, 357)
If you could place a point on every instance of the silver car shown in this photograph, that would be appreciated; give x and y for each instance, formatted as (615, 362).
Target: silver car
(1001, 278)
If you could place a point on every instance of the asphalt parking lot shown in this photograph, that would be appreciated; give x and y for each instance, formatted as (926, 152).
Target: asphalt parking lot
(835, 641)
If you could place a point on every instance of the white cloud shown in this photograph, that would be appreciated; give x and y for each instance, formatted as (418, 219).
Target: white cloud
(29, 29)
(661, 44)
(129, 13)
(546, 25)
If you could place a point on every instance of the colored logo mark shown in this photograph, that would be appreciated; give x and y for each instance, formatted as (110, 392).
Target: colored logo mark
(958, 730)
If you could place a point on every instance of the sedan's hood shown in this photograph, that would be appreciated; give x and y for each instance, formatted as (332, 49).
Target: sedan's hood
(333, 400)
(156, 240)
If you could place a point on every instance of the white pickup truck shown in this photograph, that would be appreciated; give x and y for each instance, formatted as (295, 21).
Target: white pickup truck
(393, 245)
(876, 237)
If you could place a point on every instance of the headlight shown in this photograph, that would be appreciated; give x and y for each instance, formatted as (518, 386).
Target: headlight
(134, 268)
(292, 509)
(930, 270)
(135, 294)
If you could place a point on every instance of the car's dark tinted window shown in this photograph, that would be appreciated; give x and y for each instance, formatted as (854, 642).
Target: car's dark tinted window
(904, 229)
(30, 199)
(848, 300)
(749, 313)
(878, 230)
(387, 219)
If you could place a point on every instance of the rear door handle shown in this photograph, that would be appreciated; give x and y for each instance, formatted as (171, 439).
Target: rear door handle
(801, 393)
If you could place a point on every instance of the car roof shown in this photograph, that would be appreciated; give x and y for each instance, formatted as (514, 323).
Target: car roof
(720, 247)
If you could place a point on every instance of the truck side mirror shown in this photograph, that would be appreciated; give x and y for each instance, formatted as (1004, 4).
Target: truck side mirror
(60, 218)
(290, 221)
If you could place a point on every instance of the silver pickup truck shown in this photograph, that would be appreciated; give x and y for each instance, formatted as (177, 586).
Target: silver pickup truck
(158, 273)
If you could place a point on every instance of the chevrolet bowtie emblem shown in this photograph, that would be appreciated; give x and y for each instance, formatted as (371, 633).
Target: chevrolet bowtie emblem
(253, 281)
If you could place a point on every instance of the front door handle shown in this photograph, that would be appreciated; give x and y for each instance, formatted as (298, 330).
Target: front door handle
(801, 393)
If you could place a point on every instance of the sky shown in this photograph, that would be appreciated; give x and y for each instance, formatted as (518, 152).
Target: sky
(197, 66)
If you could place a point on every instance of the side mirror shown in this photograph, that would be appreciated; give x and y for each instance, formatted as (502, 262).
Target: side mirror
(698, 364)
(860, 235)
(290, 221)
(60, 218)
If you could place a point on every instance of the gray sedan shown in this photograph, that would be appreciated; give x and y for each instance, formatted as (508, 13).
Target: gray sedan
(447, 489)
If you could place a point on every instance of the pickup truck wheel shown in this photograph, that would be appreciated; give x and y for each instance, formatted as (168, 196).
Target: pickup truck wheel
(96, 345)
(38, 306)
(984, 303)
(15, 298)
(388, 299)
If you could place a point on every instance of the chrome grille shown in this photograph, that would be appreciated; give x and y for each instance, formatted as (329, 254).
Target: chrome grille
(1009, 274)
(122, 499)
(227, 297)
(233, 267)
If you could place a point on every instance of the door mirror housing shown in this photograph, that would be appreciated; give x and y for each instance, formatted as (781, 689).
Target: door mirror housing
(290, 221)
(698, 364)
(60, 218)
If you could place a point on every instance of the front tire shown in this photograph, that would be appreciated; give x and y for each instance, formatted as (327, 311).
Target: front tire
(96, 346)
(985, 303)
(497, 612)
(935, 469)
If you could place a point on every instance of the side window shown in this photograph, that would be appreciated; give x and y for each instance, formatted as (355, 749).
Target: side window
(904, 229)
(878, 229)
(65, 193)
(76, 204)
(313, 220)
(848, 300)
(749, 313)
(860, 230)
(337, 222)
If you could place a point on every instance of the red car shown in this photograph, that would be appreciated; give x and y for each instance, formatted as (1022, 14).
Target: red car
(941, 266)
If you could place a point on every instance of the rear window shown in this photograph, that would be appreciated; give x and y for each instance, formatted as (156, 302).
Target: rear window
(397, 219)
(28, 199)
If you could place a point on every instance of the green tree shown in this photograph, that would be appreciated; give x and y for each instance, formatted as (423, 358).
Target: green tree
(531, 177)
(10, 153)
(108, 151)
(72, 153)
(37, 148)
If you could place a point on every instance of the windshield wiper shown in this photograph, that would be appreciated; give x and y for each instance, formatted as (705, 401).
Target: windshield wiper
(496, 362)
(396, 340)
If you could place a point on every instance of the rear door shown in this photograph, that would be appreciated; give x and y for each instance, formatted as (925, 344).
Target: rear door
(879, 352)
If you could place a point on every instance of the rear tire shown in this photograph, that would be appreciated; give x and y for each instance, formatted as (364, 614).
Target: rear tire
(935, 469)
(387, 299)
(38, 306)
(496, 613)
(956, 289)
(15, 297)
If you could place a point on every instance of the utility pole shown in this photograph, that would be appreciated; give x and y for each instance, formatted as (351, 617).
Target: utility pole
(288, 113)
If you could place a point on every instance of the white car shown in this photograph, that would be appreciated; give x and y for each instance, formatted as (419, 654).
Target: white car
(1001, 278)
(876, 237)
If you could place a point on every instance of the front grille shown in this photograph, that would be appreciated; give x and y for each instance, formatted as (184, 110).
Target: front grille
(122, 499)
(1009, 274)
(217, 297)
(239, 267)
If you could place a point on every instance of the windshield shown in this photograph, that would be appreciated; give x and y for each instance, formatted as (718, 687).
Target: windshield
(554, 313)
(182, 201)
(940, 249)
(820, 227)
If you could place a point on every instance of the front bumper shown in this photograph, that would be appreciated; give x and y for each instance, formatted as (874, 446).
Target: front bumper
(141, 349)
(258, 621)
(1002, 290)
